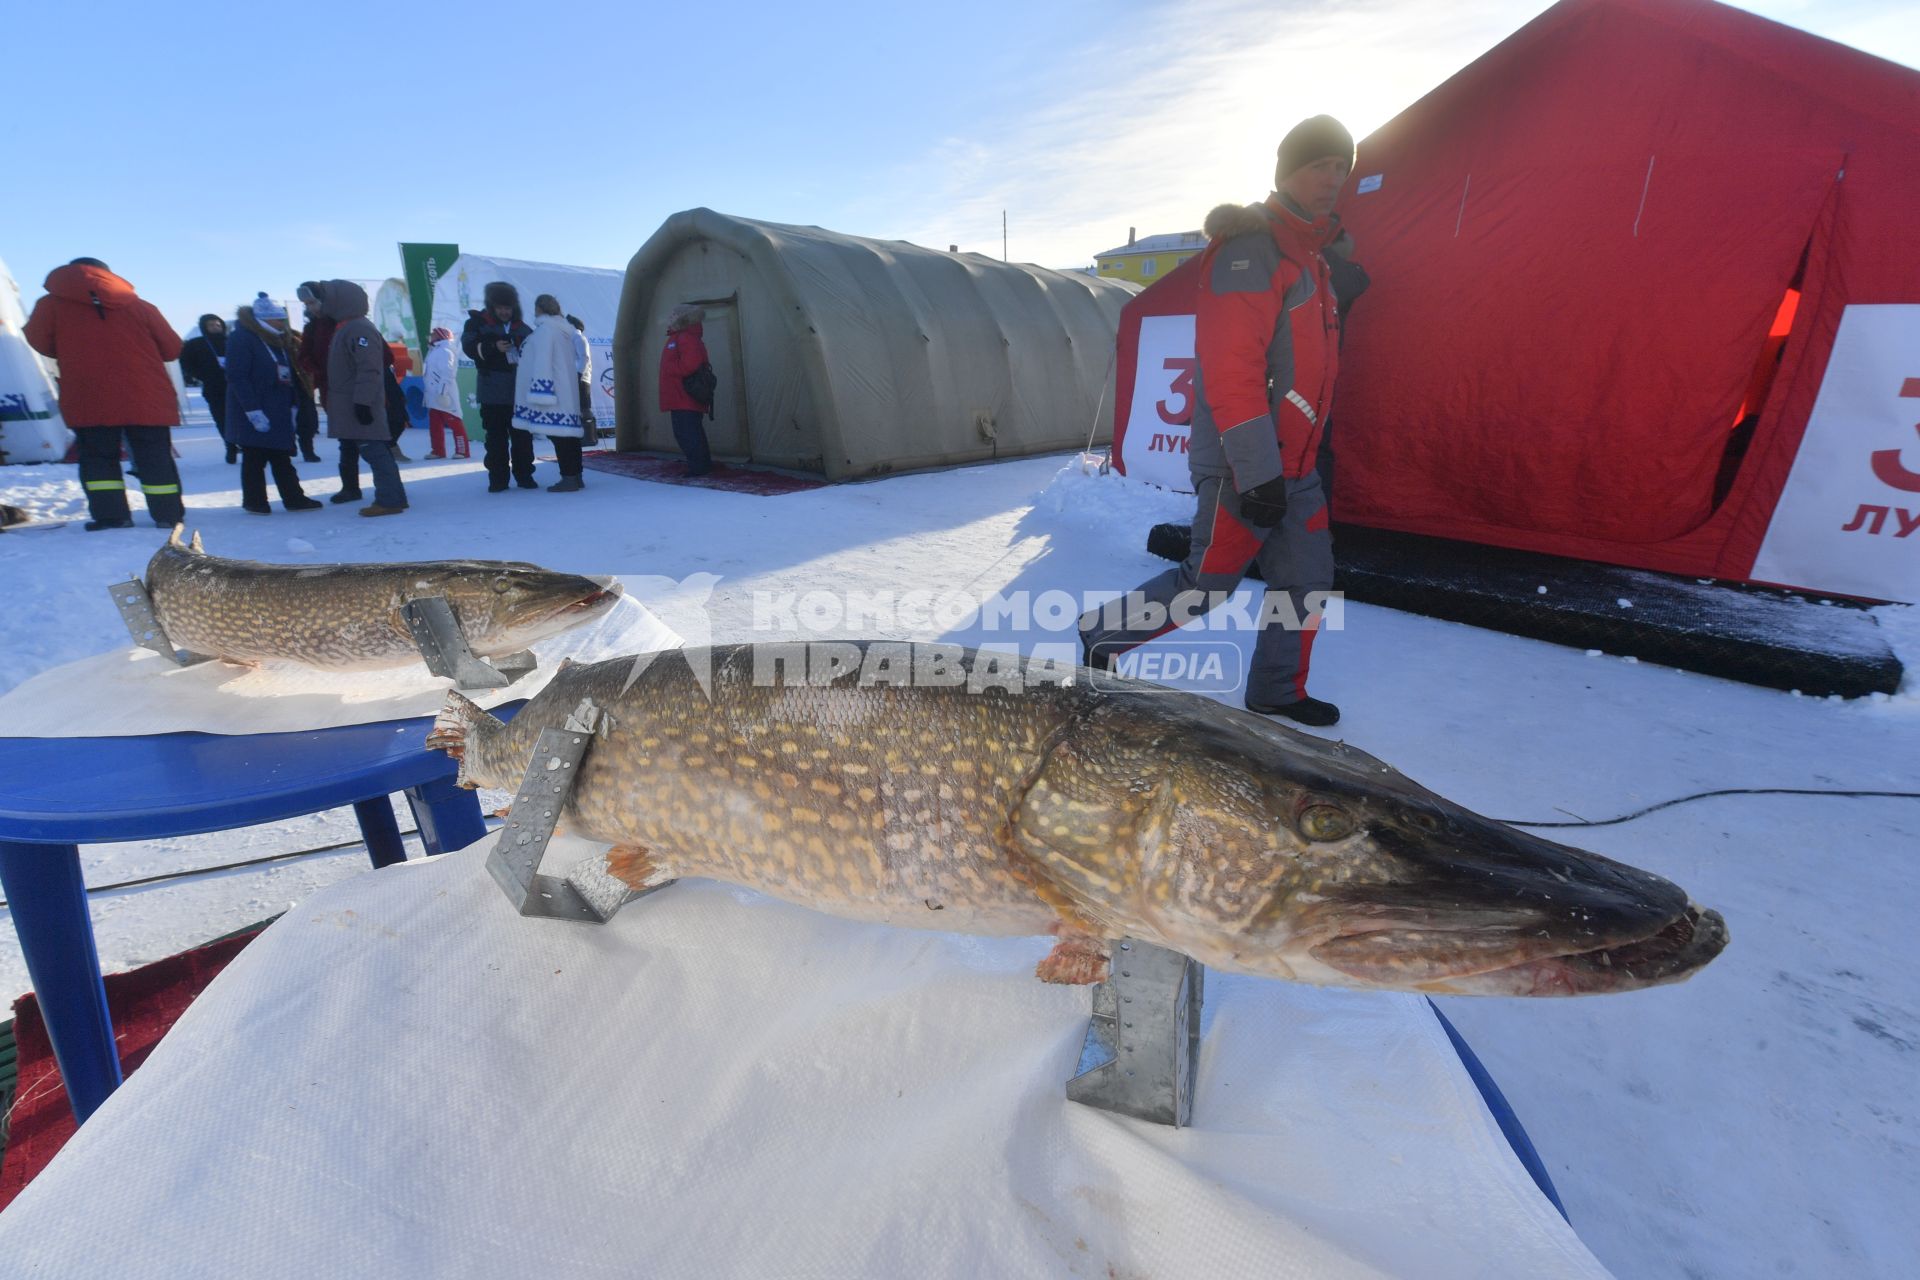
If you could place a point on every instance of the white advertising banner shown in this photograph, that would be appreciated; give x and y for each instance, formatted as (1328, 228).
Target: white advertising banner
(1848, 520)
(591, 293)
(1154, 449)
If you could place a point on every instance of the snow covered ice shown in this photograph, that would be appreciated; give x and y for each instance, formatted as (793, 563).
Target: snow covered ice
(1758, 1119)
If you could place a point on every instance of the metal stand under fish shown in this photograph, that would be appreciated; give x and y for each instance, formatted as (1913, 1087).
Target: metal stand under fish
(1143, 1038)
(136, 610)
(444, 648)
(586, 894)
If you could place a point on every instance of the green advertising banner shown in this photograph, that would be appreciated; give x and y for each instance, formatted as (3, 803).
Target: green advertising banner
(422, 265)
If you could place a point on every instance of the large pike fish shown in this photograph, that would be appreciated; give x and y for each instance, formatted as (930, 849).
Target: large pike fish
(886, 781)
(347, 617)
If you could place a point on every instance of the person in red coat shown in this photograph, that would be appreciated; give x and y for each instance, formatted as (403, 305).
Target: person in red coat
(685, 355)
(1267, 339)
(112, 347)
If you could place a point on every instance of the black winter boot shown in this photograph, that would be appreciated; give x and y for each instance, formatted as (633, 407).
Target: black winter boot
(1309, 711)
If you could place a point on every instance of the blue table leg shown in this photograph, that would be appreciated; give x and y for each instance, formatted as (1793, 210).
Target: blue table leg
(382, 833)
(449, 816)
(48, 899)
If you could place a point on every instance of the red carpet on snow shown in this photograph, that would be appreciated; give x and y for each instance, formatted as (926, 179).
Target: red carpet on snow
(673, 470)
(144, 1002)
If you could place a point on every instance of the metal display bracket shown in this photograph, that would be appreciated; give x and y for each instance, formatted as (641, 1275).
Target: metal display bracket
(586, 894)
(143, 624)
(1143, 1040)
(443, 646)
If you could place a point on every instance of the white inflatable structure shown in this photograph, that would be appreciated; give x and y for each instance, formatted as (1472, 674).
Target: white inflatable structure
(30, 426)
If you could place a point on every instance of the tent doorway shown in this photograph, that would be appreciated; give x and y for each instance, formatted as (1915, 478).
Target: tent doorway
(1747, 419)
(727, 432)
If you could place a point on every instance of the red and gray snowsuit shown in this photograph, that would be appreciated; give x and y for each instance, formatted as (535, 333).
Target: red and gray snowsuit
(1267, 336)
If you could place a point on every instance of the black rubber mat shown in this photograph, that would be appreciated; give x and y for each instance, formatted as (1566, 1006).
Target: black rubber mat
(1779, 639)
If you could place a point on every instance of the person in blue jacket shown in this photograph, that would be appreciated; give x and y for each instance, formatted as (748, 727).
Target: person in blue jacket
(261, 390)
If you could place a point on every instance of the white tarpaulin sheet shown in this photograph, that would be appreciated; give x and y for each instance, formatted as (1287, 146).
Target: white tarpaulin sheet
(402, 1077)
(136, 691)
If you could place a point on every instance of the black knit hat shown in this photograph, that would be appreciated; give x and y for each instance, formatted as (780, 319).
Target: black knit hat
(1312, 139)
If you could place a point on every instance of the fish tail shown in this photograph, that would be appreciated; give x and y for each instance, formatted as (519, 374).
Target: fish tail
(459, 729)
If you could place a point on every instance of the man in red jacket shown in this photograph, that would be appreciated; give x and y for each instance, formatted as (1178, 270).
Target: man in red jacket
(1267, 335)
(112, 347)
(685, 355)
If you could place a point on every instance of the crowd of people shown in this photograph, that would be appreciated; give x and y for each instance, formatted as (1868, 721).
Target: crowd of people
(267, 387)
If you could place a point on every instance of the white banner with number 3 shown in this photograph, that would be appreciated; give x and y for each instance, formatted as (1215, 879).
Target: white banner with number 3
(1849, 518)
(1154, 449)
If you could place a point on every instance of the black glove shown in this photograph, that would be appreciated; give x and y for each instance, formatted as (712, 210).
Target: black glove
(363, 414)
(1265, 505)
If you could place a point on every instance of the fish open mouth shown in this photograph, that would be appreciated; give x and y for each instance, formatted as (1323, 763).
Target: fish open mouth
(606, 595)
(1503, 963)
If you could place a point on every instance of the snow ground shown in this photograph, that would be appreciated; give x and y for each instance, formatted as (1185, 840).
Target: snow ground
(1758, 1120)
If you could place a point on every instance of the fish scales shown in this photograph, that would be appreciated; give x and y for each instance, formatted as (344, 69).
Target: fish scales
(1094, 813)
(815, 794)
(348, 617)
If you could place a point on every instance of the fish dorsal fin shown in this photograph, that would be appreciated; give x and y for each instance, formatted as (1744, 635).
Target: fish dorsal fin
(174, 539)
(195, 546)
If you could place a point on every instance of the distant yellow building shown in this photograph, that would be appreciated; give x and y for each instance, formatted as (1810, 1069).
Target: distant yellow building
(1145, 261)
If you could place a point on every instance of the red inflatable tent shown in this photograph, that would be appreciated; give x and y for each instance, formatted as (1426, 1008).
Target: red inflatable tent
(1646, 290)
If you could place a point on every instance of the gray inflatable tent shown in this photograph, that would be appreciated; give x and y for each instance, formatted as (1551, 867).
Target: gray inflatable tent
(857, 357)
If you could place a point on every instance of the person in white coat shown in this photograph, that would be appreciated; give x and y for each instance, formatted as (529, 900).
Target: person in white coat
(441, 368)
(546, 393)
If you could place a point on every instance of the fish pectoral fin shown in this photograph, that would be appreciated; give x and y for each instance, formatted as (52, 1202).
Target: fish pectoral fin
(1080, 955)
(1077, 959)
(634, 866)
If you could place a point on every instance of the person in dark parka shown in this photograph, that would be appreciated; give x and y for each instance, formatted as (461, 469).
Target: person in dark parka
(356, 400)
(203, 360)
(491, 338)
(316, 343)
(261, 390)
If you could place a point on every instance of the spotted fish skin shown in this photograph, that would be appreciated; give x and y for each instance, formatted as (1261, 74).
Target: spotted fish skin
(347, 617)
(1094, 813)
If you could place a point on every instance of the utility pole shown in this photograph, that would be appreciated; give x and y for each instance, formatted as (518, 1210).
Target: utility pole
(1003, 235)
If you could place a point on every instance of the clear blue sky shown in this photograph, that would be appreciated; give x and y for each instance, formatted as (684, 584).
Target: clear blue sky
(209, 150)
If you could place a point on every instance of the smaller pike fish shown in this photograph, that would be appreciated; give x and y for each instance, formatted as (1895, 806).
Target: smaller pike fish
(1090, 813)
(347, 617)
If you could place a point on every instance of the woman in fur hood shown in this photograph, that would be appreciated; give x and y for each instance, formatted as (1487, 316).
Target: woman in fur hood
(260, 396)
(546, 394)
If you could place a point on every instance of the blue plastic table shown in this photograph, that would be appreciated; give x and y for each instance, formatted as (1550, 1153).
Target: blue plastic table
(59, 793)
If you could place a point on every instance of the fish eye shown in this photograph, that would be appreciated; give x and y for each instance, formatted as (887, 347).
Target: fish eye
(1426, 822)
(500, 586)
(1325, 822)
